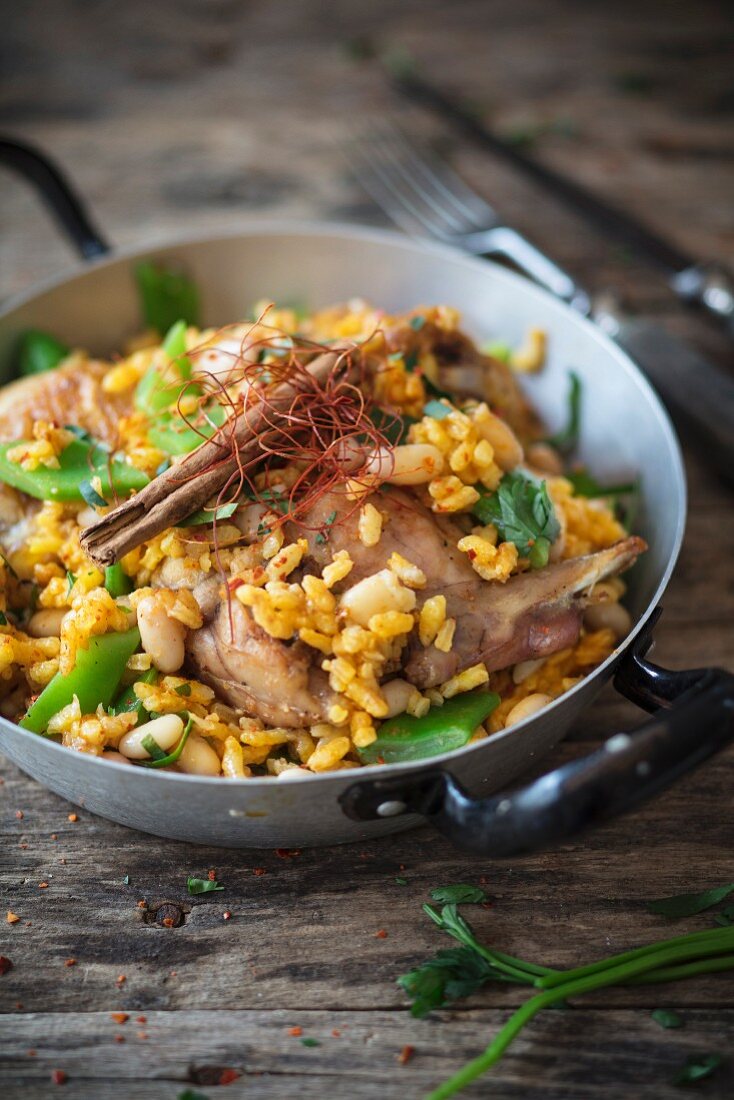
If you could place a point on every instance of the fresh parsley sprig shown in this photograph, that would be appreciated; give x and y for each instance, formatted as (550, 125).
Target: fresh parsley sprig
(456, 973)
(523, 513)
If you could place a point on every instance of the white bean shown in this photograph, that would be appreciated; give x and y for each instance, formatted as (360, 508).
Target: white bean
(162, 638)
(608, 616)
(225, 356)
(397, 693)
(115, 757)
(198, 757)
(408, 464)
(507, 449)
(524, 669)
(86, 516)
(528, 706)
(46, 623)
(165, 730)
(375, 595)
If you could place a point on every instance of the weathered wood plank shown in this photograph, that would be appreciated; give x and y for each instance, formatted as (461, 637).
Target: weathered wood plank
(561, 1055)
(278, 948)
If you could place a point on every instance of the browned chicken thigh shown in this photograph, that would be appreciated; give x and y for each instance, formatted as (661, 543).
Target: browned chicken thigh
(532, 615)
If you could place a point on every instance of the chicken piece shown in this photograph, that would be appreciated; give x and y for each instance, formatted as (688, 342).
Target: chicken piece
(532, 615)
(464, 369)
(71, 394)
(279, 682)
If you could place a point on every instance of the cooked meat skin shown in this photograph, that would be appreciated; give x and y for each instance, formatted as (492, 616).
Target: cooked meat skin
(464, 369)
(71, 394)
(533, 614)
(281, 684)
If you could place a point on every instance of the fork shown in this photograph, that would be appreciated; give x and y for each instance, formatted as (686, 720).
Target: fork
(423, 195)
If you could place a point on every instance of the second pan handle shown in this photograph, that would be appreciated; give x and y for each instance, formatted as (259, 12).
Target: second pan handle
(695, 719)
(57, 193)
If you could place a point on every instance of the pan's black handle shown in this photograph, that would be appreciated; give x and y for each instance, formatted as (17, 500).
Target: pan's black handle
(695, 720)
(57, 193)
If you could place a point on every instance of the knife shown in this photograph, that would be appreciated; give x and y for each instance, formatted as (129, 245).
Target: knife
(706, 284)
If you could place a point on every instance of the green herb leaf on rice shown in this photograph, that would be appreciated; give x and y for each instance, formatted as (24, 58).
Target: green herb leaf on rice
(523, 513)
(209, 515)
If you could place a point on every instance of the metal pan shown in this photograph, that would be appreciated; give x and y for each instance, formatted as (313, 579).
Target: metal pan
(624, 431)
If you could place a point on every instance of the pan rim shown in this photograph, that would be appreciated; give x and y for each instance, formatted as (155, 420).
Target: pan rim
(252, 228)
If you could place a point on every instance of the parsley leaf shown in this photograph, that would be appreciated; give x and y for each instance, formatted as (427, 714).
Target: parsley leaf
(667, 1018)
(323, 536)
(697, 1067)
(458, 895)
(687, 905)
(202, 885)
(522, 512)
(310, 1043)
(437, 409)
(183, 689)
(208, 515)
(450, 975)
(567, 438)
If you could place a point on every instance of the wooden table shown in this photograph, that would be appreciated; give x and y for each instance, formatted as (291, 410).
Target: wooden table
(192, 116)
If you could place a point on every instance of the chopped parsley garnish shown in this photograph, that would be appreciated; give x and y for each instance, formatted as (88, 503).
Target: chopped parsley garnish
(209, 515)
(417, 323)
(322, 536)
(202, 885)
(666, 1018)
(183, 689)
(70, 581)
(697, 1067)
(310, 1043)
(522, 512)
(459, 894)
(437, 409)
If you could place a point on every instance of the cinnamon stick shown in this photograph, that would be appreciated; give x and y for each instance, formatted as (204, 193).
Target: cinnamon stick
(186, 487)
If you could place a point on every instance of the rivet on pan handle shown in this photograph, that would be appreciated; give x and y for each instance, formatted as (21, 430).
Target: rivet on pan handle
(695, 720)
(57, 193)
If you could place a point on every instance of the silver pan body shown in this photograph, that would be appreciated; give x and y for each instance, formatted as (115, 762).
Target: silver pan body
(625, 431)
